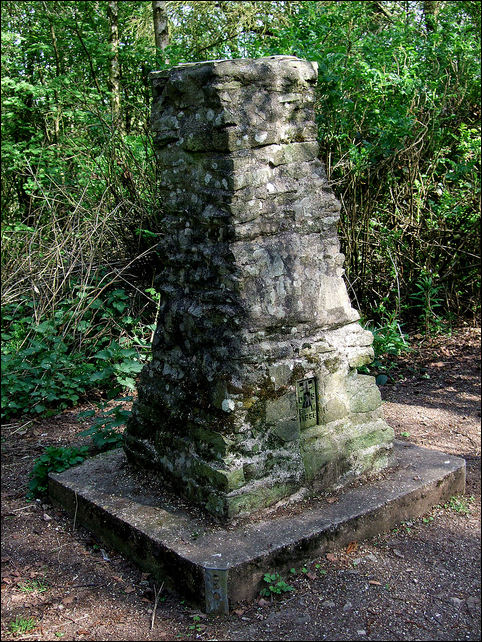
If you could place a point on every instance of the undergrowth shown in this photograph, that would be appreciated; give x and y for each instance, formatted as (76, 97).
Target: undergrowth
(54, 459)
(90, 340)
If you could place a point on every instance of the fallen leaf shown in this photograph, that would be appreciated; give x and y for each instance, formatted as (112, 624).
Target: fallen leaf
(374, 583)
(311, 576)
(330, 557)
(46, 517)
(352, 546)
(331, 500)
(239, 612)
(83, 632)
(129, 589)
(117, 578)
(144, 576)
(263, 602)
(68, 600)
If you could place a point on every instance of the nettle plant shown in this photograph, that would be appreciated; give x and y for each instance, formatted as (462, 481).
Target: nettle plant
(275, 585)
(107, 419)
(54, 459)
(89, 341)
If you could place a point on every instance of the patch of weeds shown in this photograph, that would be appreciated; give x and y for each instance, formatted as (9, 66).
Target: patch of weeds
(388, 342)
(405, 434)
(54, 459)
(53, 358)
(302, 570)
(33, 586)
(59, 634)
(321, 570)
(104, 429)
(407, 526)
(22, 625)
(427, 520)
(275, 585)
(459, 504)
(196, 626)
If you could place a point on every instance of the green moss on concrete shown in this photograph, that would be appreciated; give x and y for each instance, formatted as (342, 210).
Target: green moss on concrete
(380, 434)
(214, 440)
(259, 496)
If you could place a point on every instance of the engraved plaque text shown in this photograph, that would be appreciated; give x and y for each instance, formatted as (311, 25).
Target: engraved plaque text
(306, 402)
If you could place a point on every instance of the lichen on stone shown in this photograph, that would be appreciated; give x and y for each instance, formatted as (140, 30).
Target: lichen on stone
(252, 297)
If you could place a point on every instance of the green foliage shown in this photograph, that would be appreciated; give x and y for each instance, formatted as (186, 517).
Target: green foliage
(104, 429)
(22, 625)
(427, 301)
(388, 338)
(49, 365)
(54, 459)
(275, 585)
(459, 504)
(196, 626)
(33, 586)
(388, 342)
(401, 142)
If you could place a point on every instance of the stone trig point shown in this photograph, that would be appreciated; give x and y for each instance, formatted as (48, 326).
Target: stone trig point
(252, 391)
(252, 394)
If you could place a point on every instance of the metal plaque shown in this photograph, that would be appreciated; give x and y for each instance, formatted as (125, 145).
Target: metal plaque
(216, 587)
(306, 402)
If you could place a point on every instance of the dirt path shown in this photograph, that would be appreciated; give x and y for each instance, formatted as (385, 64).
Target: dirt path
(419, 582)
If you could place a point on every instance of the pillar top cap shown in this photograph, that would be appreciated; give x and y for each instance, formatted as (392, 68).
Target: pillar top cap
(307, 69)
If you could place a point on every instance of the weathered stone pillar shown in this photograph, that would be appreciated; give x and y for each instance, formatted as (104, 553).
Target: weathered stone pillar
(252, 391)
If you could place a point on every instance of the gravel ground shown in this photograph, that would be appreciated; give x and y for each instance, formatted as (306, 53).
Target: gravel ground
(421, 581)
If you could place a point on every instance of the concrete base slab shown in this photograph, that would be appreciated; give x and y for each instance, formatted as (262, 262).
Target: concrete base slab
(218, 566)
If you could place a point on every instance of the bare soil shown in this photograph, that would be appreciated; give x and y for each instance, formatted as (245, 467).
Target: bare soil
(420, 581)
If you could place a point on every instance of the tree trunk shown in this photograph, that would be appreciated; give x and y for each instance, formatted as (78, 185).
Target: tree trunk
(430, 12)
(114, 73)
(59, 71)
(161, 32)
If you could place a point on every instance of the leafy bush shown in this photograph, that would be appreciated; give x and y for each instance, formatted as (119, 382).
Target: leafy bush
(388, 341)
(86, 343)
(54, 459)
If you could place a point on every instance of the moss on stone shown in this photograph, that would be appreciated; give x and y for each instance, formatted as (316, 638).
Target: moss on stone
(258, 497)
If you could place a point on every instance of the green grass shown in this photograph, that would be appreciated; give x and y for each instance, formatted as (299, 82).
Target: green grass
(33, 586)
(22, 625)
(459, 504)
